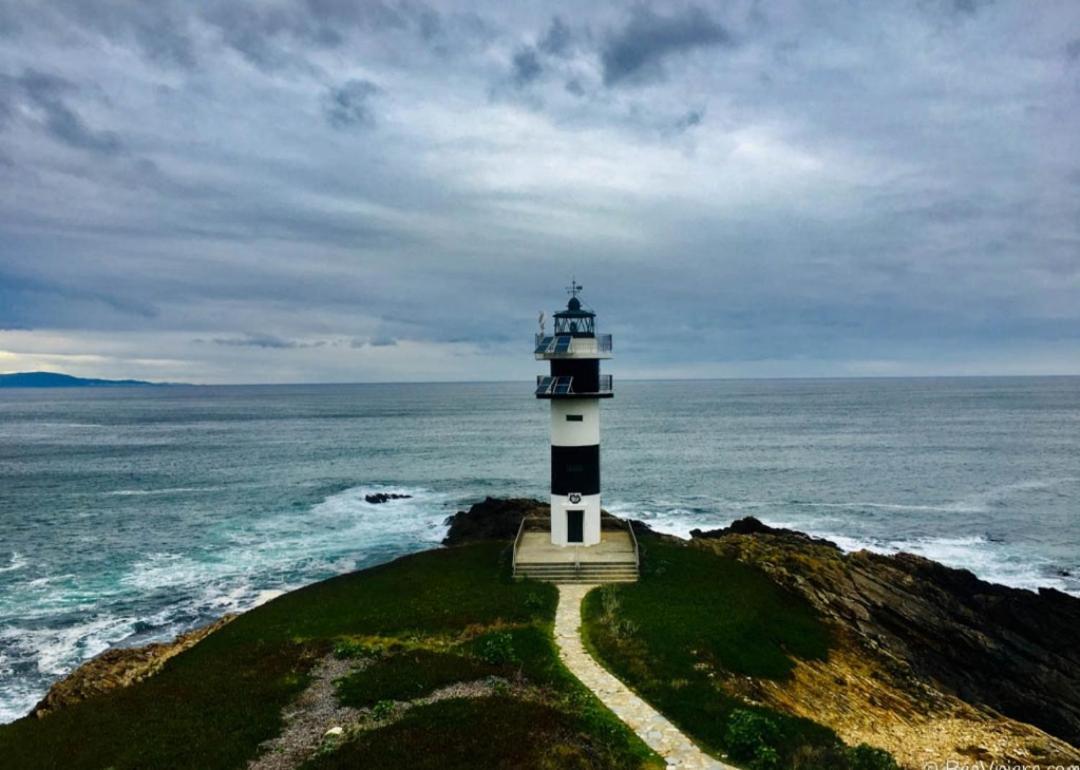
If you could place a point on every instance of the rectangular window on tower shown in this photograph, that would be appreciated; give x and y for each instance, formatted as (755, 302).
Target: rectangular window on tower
(575, 418)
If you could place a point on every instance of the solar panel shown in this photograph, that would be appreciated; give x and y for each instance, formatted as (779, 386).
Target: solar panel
(543, 345)
(562, 343)
(544, 385)
(562, 385)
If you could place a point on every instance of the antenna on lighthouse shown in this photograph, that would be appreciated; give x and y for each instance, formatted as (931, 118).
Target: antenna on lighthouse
(574, 287)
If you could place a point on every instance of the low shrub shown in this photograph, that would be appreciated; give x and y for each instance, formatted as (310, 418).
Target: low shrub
(349, 648)
(866, 757)
(497, 649)
(382, 709)
(748, 734)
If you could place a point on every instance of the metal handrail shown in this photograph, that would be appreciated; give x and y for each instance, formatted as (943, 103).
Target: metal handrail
(517, 542)
(606, 384)
(633, 537)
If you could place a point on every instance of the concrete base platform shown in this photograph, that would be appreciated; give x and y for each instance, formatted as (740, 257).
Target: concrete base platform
(611, 560)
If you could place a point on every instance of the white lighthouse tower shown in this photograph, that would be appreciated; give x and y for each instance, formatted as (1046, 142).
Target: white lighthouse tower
(575, 387)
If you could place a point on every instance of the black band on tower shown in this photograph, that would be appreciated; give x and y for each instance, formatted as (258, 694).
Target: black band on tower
(585, 371)
(575, 469)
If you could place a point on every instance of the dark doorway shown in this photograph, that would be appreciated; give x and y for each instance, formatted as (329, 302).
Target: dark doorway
(575, 526)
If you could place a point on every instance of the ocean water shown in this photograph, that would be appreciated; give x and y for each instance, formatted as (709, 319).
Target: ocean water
(129, 515)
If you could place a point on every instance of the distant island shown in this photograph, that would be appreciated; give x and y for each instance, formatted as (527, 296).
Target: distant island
(56, 380)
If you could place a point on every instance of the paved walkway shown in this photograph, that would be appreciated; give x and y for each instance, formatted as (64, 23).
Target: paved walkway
(662, 736)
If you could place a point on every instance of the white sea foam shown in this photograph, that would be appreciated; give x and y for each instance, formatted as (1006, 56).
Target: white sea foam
(268, 558)
(17, 562)
(56, 651)
(990, 560)
(162, 491)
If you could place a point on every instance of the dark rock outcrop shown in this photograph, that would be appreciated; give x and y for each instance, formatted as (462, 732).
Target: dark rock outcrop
(498, 518)
(751, 526)
(492, 519)
(384, 497)
(1012, 650)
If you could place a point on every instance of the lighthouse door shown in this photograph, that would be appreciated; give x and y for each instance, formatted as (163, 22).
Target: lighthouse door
(575, 526)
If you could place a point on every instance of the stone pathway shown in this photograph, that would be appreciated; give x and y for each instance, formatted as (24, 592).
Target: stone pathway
(661, 736)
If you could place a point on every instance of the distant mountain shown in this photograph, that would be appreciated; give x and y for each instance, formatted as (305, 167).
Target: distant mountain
(55, 380)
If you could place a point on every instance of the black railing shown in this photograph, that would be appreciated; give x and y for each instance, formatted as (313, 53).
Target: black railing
(566, 386)
(547, 345)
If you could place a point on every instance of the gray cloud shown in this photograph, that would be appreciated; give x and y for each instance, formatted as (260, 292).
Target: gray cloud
(48, 94)
(266, 341)
(526, 67)
(160, 31)
(378, 341)
(690, 119)
(558, 39)
(637, 51)
(815, 200)
(349, 105)
(8, 98)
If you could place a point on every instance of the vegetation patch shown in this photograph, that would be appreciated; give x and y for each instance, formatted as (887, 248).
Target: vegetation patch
(496, 732)
(696, 619)
(410, 675)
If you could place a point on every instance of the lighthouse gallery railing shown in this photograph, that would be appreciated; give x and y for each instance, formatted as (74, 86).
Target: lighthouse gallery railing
(600, 343)
(546, 384)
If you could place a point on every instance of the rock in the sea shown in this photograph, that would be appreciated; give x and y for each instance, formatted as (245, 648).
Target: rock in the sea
(384, 497)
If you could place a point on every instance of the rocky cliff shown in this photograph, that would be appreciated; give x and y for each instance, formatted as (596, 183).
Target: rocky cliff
(926, 656)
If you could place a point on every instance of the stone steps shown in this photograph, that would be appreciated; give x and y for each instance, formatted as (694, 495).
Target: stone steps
(587, 572)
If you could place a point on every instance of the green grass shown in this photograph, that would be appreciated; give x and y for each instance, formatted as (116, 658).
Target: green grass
(408, 675)
(491, 733)
(694, 619)
(212, 705)
(731, 614)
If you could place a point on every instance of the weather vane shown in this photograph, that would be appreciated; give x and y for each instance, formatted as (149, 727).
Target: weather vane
(574, 287)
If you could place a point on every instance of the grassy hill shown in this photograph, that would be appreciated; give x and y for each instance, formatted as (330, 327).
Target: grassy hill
(416, 624)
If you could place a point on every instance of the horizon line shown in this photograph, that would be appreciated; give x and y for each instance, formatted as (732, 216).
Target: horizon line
(516, 380)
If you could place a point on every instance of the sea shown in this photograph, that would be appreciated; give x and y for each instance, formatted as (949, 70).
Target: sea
(128, 515)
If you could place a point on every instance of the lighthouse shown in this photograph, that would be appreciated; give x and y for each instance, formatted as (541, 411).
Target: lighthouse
(575, 388)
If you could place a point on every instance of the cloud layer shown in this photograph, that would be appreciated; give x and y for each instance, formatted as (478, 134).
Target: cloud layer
(319, 190)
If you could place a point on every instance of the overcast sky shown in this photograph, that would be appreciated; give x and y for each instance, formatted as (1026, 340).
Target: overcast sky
(337, 191)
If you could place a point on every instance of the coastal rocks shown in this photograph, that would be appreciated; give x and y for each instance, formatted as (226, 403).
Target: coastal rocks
(751, 526)
(378, 498)
(492, 519)
(119, 667)
(933, 628)
(498, 518)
